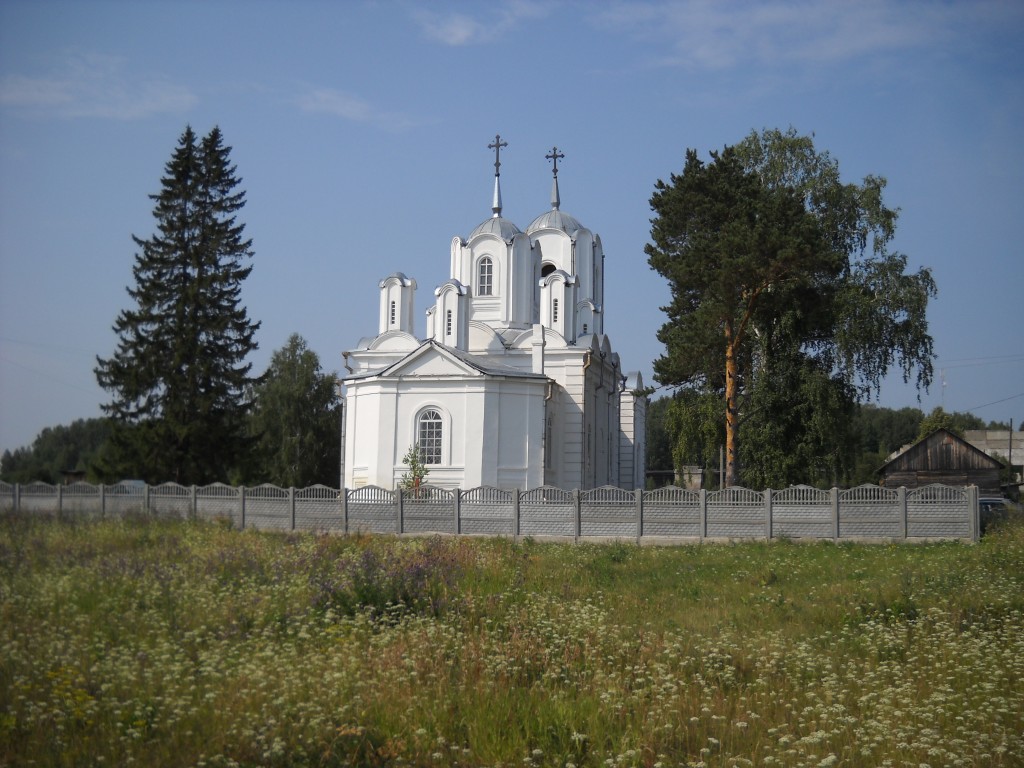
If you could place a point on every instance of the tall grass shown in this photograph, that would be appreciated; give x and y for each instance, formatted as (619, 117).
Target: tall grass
(146, 642)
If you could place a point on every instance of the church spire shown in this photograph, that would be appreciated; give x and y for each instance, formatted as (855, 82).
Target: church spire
(554, 156)
(496, 145)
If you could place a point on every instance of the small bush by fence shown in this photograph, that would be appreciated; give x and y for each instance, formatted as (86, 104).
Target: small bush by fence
(865, 512)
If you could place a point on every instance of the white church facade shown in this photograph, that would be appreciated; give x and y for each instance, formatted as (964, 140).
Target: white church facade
(514, 384)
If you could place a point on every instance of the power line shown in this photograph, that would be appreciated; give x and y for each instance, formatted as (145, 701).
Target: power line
(996, 402)
(971, 362)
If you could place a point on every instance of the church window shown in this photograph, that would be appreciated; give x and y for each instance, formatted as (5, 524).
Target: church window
(547, 269)
(448, 323)
(392, 313)
(430, 433)
(584, 328)
(486, 282)
(554, 311)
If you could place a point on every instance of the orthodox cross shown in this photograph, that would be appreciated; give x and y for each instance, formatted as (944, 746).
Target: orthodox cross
(496, 145)
(554, 157)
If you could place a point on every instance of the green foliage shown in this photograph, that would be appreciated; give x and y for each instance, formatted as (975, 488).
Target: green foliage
(955, 422)
(295, 421)
(56, 449)
(178, 377)
(414, 476)
(156, 642)
(694, 421)
(787, 304)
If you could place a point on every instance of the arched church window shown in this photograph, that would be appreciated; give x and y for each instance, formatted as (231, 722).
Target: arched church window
(448, 323)
(547, 269)
(486, 281)
(430, 435)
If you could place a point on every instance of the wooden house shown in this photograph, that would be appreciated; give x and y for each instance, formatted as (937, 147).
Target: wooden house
(942, 457)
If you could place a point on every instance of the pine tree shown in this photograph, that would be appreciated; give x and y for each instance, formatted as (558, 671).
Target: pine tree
(179, 377)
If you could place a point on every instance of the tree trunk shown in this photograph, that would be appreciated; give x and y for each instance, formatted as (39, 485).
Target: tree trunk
(731, 343)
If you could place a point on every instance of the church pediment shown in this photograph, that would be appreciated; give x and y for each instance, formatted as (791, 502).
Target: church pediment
(431, 359)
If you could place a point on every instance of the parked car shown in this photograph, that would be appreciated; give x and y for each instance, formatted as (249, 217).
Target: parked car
(996, 509)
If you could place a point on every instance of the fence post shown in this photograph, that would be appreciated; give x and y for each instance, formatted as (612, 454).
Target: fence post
(458, 511)
(241, 504)
(343, 495)
(834, 499)
(103, 501)
(194, 503)
(17, 497)
(768, 513)
(577, 506)
(902, 500)
(60, 502)
(639, 514)
(973, 513)
(291, 504)
(399, 511)
(703, 513)
(515, 514)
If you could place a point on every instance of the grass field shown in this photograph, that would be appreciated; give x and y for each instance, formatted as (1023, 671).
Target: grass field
(145, 642)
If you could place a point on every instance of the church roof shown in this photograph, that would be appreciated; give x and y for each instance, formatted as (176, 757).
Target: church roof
(496, 225)
(467, 359)
(555, 219)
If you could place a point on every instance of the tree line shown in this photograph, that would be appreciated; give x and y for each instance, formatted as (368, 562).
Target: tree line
(876, 433)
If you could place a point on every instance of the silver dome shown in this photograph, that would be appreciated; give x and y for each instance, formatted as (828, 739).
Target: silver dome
(496, 225)
(555, 219)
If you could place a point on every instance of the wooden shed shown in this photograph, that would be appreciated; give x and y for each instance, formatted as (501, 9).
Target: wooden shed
(942, 457)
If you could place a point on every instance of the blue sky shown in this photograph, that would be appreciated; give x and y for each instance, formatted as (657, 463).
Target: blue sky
(360, 131)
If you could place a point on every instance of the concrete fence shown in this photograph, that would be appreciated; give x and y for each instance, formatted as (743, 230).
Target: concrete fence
(863, 513)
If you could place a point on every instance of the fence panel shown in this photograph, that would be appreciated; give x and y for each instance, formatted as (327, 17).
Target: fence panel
(487, 510)
(938, 510)
(6, 497)
(39, 497)
(608, 511)
(428, 509)
(268, 507)
(547, 511)
(125, 498)
(736, 513)
(219, 501)
(802, 511)
(672, 511)
(171, 500)
(372, 509)
(870, 511)
(81, 500)
(318, 508)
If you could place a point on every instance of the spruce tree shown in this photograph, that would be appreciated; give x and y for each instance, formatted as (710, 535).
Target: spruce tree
(179, 377)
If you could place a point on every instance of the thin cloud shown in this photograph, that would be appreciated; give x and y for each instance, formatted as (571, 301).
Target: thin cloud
(713, 35)
(457, 29)
(348, 106)
(95, 86)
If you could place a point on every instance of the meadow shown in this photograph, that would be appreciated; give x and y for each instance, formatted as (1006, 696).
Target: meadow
(150, 642)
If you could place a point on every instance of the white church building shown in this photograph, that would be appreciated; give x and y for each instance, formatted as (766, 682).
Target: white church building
(514, 384)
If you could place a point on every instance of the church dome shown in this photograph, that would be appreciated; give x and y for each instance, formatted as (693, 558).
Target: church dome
(496, 225)
(555, 219)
